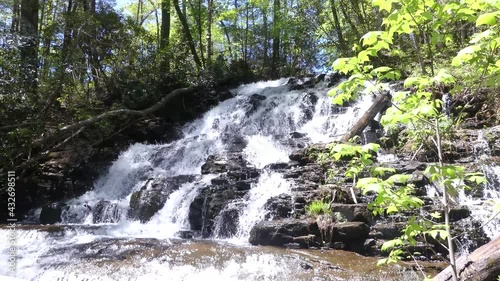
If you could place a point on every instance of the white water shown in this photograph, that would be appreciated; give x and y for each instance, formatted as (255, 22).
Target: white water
(262, 127)
(269, 185)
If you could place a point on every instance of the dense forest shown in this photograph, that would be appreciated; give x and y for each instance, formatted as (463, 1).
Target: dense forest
(76, 74)
(67, 61)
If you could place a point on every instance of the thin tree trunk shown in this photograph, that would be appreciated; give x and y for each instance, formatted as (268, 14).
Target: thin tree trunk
(228, 40)
(138, 16)
(266, 38)
(187, 33)
(15, 17)
(338, 28)
(451, 251)
(165, 33)
(347, 18)
(276, 39)
(246, 34)
(209, 30)
(200, 33)
(29, 48)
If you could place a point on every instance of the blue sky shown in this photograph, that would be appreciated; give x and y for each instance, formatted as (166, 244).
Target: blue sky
(121, 3)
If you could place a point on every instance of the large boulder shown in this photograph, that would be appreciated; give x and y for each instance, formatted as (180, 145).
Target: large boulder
(347, 232)
(51, 213)
(106, 212)
(232, 163)
(353, 212)
(152, 196)
(211, 204)
(279, 207)
(282, 232)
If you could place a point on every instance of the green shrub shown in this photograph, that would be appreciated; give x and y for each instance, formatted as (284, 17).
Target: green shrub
(318, 207)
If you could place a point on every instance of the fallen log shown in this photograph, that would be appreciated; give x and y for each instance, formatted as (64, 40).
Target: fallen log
(482, 265)
(381, 101)
(51, 141)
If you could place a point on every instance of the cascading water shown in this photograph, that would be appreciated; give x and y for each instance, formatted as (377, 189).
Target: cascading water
(480, 201)
(260, 116)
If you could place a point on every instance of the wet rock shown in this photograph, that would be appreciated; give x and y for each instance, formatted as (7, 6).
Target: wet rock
(106, 212)
(336, 245)
(369, 243)
(301, 83)
(281, 232)
(347, 232)
(456, 212)
(185, 234)
(146, 202)
(226, 224)
(279, 207)
(276, 166)
(51, 213)
(255, 101)
(210, 209)
(197, 209)
(215, 164)
(292, 246)
(234, 164)
(389, 230)
(297, 135)
(469, 234)
(333, 78)
(294, 140)
(306, 266)
(320, 77)
(308, 155)
(353, 212)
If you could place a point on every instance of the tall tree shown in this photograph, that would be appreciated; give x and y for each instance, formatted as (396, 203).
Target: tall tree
(15, 17)
(165, 24)
(210, 12)
(276, 39)
(29, 43)
(187, 33)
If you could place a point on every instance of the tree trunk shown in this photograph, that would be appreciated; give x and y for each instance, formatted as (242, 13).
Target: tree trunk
(266, 38)
(200, 32)
(482, 265)
(15, 17)
(338, 28)
(347, 18)
(29, 46)
(245, 50)
(226, 32)
(165, 24)
(187, 33)
(276, 39)
(381, 101)
(209, 30)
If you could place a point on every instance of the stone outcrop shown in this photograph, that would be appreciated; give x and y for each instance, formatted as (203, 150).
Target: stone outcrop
(235, 179)
(152, 196)
(282, 232)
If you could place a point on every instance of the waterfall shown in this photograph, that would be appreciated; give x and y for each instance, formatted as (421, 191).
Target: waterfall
(262, 114)
(263, 122)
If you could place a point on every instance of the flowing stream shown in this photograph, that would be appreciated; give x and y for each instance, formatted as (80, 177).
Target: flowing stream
(106, 245)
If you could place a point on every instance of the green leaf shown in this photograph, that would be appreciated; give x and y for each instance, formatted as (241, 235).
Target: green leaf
(382, 262)
(392, 209)
(436, 215)
(391, 244)
(383, 4)
(487, 19)
(427, 109)
(369, 38)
